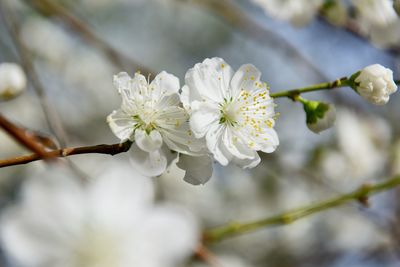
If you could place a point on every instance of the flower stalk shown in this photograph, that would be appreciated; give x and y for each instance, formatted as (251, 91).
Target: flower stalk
(361, 195)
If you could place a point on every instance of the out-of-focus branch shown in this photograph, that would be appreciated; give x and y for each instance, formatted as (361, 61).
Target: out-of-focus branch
(22, 137)
(65, 152)
(361, 195)
(50, 113)
(116, 57)
(233, 15)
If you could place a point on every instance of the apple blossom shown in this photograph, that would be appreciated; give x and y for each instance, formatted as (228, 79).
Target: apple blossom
(152, 116)
(233, 111)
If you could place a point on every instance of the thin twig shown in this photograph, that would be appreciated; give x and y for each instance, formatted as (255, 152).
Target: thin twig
(22, 137)
(207, 256)
(65, 152)
(361, 195)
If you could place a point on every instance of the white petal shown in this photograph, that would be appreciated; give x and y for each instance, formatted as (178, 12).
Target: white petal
(216, 146)
(198, 169)
(149, 164)
(164, 84)
(121, 124)
(119, 195)
(203, 116)
(170, 234)
(148, 142)
(209, 80)
(235, 146)
(187, 96)
(122, 81)
(248, 163)
(245, 78)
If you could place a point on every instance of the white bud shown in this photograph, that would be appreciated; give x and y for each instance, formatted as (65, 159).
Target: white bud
(12, 81)
(375, 83)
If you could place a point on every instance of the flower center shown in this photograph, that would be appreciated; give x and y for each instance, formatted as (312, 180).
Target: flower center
(229, 112)
(97, 248)
(145, 124)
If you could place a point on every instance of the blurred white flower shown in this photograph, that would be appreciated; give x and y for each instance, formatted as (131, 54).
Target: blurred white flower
(361, 154)
(233, 111)
(320, 115)
(12, 81)
(355, 232)
(152, 116)
(375, 84)
(298, 12)
(58, 44)
(109, 222)
(378, 19)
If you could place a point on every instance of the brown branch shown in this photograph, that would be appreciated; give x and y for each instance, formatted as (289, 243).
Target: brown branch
(206, 256)
(65, 152)
(23, 137)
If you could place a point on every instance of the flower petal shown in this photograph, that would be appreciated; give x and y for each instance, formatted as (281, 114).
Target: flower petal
(209, 80)
(121, 124)
(203, 116)
(164, 84)
(216, 146)
(148, 142)
(198, 169)
(247, 77)
(148, 163)
(248, 163)
(119, 195)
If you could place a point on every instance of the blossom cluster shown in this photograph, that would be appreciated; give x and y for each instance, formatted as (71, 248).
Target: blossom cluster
(218, 114)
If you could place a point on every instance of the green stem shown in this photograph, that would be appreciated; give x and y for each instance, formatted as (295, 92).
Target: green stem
(292, 94)
(295, 93)
(236, 228)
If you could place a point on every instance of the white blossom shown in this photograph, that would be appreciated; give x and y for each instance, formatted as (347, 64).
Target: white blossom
(233, 111)
(152, 116)
(12, 80)
(375, 84)
(109, 222)
(298, 12)
(378, 19)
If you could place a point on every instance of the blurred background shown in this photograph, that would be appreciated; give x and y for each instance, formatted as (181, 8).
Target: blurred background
(76, 46)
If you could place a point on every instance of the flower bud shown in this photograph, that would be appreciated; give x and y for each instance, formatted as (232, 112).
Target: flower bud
(319, 115)
(12, 81)
(375, 84)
